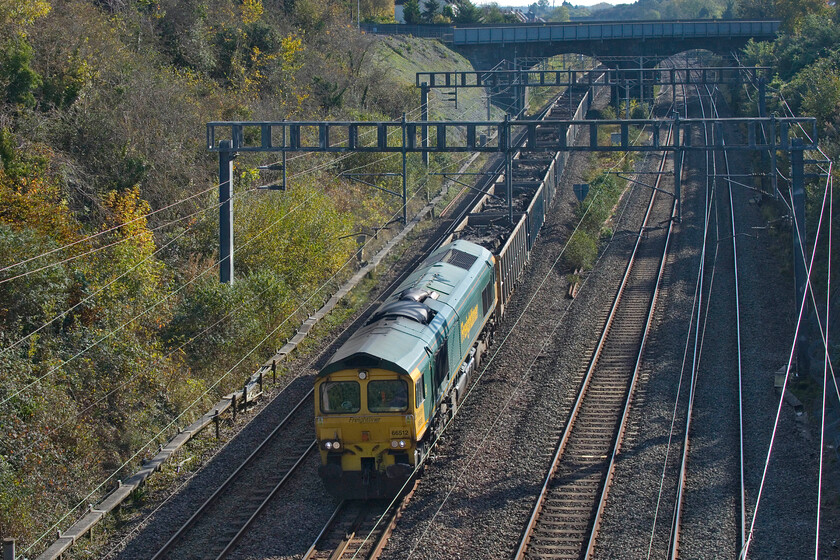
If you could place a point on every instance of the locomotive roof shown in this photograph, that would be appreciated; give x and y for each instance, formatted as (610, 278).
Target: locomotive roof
(397, 336)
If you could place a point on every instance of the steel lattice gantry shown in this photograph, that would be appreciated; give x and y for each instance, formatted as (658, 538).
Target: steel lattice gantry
(641, 79)
(461, 136)
(231, 137)
(612, 77)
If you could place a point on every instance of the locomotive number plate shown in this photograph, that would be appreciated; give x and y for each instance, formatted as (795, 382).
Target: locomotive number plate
(397, 433)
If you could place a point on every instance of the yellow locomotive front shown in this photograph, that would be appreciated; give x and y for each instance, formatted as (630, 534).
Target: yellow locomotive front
(365, 423)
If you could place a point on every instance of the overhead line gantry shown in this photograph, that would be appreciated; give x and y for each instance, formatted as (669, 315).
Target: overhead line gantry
(461, 136)
(620, 80)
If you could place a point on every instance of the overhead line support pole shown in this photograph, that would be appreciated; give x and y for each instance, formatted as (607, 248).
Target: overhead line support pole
(797, 196)
(424, 116)
(762, 112)
(404, 179)
(678, 161)
(508, 168)
(226, 156)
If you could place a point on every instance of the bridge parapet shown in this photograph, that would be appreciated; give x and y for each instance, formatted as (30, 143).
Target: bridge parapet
(638, 30)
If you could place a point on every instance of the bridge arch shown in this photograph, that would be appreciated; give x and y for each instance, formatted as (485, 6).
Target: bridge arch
(485, 46)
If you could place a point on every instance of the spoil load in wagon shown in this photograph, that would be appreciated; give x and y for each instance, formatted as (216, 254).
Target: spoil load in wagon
(491, 236)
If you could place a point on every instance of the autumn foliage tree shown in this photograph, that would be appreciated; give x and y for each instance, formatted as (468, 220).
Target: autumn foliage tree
(112, 319)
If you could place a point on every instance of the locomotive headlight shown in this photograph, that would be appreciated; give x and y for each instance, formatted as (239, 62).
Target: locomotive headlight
(402, 444)
(394, 443)
(332, 445)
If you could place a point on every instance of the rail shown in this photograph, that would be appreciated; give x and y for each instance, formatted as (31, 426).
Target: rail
(742, 514)
(673, 551)
(359, 529)
(578, 528)
(231, 403)
(266, 452)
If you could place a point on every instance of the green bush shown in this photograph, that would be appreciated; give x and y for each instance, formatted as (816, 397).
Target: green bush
(639, 111)
(19, 78)
(608, 112)
(596, 209)
(236, 317)
(581, 251)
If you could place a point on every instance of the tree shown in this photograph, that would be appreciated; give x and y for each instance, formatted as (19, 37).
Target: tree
(411, 12)
(377, 10)
(431, 8)
(492, 13)
(16, 75)
(17, 15)
(793, 12)
(559, 14)
(467, 13)
(755, 9)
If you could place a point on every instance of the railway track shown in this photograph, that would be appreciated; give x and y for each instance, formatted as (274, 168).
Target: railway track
(564, 523)
(358, 529)
(728, 236)
(240, 499)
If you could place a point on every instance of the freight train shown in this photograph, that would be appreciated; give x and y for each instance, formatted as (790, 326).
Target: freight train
(389, 390)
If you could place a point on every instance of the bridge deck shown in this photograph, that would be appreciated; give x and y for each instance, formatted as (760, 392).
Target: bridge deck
(639, 30)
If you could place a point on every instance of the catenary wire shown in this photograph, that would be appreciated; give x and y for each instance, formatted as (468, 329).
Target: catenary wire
(695, 307)
(491, 359)
(825, 366)
(112, 281)
(393, 216)
(109, 230)
(113, 243)
(745, 550)
(519, 384)
(699, 337)
(147, 310)
(131, 321)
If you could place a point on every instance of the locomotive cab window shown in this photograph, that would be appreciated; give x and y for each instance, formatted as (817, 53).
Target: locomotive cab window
(340, 397)
(442, 363)
(419, 393)
(387, 396)
(487, 298)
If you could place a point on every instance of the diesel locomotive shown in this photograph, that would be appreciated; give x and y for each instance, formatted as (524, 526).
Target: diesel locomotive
(387, 391)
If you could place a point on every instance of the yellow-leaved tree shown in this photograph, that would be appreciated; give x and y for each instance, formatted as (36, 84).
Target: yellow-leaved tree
(18, 15)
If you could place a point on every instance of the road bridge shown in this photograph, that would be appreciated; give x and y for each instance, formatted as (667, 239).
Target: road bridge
(487, 45)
